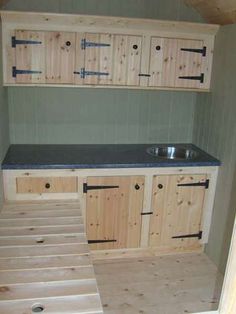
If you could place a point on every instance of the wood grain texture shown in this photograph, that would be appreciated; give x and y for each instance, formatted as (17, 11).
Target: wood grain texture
(115, 214)
(47, 185)
(51, 269)
(215, 11)
(176, 210)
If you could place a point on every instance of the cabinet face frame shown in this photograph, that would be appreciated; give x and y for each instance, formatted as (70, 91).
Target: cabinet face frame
(97, 24)
(9, 178)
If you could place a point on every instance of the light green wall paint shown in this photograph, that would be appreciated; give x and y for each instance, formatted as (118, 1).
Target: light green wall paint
(4, 124)
(60, 115)
(66, 115)
(157, 9)
(215, 131)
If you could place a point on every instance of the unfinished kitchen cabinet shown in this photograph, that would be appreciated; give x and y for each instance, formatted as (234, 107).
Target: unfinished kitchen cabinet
(77, 50)
(178, 63)
(110, 59)
(177, 203)
(43, 57)
(113, 211)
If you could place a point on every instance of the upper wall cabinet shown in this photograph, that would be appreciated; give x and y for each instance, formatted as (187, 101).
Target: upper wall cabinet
(75, 50)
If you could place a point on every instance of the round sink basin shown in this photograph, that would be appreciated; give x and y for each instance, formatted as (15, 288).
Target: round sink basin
(172, 152)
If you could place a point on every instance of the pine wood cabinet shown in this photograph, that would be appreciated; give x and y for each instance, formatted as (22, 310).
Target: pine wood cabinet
(177, 203)
(113, 211)
(177, 63)
(76, 50)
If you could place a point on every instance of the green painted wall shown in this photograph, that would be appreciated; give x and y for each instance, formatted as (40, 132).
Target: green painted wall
(60, 115)
(4, 127)
(215, 131)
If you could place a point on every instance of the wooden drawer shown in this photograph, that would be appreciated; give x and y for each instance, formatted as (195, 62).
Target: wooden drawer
(46, 185)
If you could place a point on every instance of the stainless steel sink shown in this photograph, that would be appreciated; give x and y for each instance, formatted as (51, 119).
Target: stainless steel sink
(172, 152)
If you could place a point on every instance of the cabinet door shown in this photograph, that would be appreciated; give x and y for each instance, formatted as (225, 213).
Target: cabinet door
(176, 63)
(60, 57)
(112, 59)
(113, 211)
(29, 56)
(177, 210)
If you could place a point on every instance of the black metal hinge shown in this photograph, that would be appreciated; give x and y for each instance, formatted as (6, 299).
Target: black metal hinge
(201, 51)
(205, 184)
(194, 78)
(15, 42)
(194, 235)
(83, 73)
(100, 241)
(15, 72)
(85, 44)
(87, 187)
(147, 213)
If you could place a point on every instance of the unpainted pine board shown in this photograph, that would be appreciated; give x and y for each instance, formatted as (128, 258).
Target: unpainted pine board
(46, 250)
(120, 60)
(38, 213)
(9, 55)
(45, 262)
(60, 57)
(92, 57)
(79, 59)
(46, 275)
(26, 222)
(188, 63)
(49, 289)
(70, 305)
(134, 49)
(30, 57)
(162, 61)
(105, 59)
(136, 197)
(47, 185)
(41, 230)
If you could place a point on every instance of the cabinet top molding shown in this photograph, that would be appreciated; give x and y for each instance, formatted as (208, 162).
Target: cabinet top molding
(71, 22)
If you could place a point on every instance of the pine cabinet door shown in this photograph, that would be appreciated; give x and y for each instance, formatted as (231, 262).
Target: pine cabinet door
(177, 210)
(177, 63)
(113, 211)
(112, 59)
(29, 57)
(60, 57)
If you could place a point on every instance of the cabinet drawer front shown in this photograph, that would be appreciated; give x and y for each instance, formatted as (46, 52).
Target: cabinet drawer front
(46, 185)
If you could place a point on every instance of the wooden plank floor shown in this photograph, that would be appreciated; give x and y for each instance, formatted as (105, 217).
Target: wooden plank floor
(176, 284)
(45, 265)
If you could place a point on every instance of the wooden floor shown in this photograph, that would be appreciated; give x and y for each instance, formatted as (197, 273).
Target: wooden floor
(45, 263)
(176, 284)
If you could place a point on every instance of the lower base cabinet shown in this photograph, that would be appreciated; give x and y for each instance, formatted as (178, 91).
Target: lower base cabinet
(113, 211)
(177, 203)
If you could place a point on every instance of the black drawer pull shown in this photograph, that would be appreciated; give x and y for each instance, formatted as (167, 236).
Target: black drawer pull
(135, 47)
(158, 48)
(137, 187)
(160, 186)
(68, 43)
(47, 185)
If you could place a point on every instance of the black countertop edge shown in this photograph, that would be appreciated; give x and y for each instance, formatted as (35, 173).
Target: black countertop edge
(114, 166)
(96, 156)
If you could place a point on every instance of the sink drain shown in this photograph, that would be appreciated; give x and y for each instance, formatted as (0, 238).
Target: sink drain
(37, 308)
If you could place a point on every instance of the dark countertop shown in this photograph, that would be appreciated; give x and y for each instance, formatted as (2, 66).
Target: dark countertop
(95, 156)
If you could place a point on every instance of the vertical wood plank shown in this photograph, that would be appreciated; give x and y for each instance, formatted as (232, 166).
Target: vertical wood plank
(120, 60)
(177, 210)
(115, 214)
(188, 63)
(105, 59)
(79, 58)
(60, 57)
(30, 57)
(92, 57)
(134, 49)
